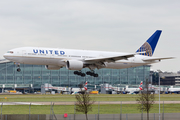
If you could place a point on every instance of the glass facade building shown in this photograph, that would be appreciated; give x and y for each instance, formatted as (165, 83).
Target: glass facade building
(38, 75)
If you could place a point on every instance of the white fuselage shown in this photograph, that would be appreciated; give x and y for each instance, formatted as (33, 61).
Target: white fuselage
(132, 90)
(59, 57)
(174, 90)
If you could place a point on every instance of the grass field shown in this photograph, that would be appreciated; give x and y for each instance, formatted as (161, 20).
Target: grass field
(104, 109)
(100, 97)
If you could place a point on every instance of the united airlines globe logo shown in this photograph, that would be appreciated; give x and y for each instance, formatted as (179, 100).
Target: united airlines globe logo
(146, 48)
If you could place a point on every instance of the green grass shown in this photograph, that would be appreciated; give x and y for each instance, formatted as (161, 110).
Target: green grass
(100, 97)
(104, 109)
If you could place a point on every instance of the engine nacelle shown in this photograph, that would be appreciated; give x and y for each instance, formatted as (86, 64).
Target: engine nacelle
(74, 65)
(52, 67)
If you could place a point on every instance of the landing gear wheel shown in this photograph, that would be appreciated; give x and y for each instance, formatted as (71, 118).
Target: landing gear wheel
(18, 69)
(92, 73)
(95, 75)
(79, 73)
(83, 74)
(88, 73)
(75, 72)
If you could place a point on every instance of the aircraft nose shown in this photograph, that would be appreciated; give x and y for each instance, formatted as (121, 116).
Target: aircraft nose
(5, 55)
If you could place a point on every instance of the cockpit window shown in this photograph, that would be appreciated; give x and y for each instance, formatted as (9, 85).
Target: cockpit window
(9, 51)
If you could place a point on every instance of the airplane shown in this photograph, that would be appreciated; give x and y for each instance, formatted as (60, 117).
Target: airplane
(78, 90)
(73, 59)
(174, 90)
(134, 90)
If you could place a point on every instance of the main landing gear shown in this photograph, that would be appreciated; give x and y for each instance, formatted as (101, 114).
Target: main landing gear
(79, 73)
(91, 73)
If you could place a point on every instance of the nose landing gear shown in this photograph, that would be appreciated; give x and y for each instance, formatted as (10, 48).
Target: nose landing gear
(18, 67)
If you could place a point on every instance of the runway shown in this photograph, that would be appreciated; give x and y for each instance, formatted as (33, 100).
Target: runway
(72, 103)
(19, 103)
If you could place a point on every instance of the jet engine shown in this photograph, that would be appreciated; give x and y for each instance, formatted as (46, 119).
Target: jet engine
(74, 65)
(52, 67)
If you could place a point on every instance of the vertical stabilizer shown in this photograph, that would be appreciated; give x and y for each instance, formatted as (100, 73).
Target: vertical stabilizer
(149, 46)
(85, 86)
(140, 86)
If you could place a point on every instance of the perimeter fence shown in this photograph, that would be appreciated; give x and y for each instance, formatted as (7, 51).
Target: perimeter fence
(152, 116)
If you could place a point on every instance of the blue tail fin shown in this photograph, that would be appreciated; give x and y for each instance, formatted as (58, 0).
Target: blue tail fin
(149, 46)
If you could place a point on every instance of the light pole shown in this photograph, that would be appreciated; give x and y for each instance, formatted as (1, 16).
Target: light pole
(159, 98)
(159, 71)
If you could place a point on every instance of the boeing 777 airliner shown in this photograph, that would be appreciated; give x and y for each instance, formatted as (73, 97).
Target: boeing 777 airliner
(72, 59)
(134, 90)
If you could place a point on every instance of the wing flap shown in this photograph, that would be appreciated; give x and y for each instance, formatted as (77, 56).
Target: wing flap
(157, 58)
(109, 59)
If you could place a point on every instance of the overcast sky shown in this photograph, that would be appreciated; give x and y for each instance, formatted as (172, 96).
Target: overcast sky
(107, 25)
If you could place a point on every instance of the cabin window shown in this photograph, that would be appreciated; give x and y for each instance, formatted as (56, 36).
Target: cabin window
(10, 52)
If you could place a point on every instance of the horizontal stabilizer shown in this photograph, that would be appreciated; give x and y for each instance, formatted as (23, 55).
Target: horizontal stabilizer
(109, 59)
(156, 58)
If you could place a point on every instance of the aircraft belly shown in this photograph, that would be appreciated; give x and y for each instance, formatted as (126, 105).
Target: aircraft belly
(41, 61)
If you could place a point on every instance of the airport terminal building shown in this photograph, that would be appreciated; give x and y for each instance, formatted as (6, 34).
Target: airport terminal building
(38, 75)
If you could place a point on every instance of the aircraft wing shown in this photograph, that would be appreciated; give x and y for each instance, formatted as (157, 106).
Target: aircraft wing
(109, 59)
(156, 58)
